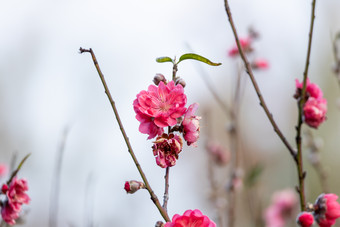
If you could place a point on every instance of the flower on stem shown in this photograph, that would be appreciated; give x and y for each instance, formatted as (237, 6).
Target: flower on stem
(166, 149)
(305, 219)
(315, 107)
(315, 111)
(260, 64)
(191, 127)
(158, 107)
(326, 210)
(192, 218)
(283, 204)
(16, 196)
(312, 90)
(3, 170)
(132, 186)
(219, 154)
(245, 44)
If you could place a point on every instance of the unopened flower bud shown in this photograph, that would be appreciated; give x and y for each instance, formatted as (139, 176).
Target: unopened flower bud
(159, 224)
(158, 78)
(181, 82)
(4, 188)
(132, 186)
(305, 219)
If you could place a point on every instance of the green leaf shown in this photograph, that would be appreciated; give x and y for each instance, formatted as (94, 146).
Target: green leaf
(197, 58)
(253, 175)
(164, 59)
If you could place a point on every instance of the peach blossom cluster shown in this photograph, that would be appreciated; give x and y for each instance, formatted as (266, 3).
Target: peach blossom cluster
(163, 106)
(15, 197)
(315, 108)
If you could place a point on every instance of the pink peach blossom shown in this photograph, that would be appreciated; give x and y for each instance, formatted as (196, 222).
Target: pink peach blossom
(159, 107)
(219, 154)
(260, 64)
(192, 218)
(283, 204)
(245, 44)
(191, 127)
(312, 89)
(315, 111)
(3, 170)
(16, 196)
(305, 219)
(327, 210)
(166, 149)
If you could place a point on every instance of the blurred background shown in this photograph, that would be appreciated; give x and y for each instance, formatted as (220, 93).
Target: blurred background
(46, 87)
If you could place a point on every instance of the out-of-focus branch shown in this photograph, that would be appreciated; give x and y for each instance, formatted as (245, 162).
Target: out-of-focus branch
(256, 87)
(126, 139)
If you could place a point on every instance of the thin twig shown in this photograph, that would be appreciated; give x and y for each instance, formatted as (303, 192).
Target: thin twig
(256, 87)
(302, 100)
(55, 189)
(166, 191)
(107, 91)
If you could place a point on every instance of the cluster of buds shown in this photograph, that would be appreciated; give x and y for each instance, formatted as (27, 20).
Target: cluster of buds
(315, 107)
(15, 197)
(163, 106)
(247, 47)
(325, 211)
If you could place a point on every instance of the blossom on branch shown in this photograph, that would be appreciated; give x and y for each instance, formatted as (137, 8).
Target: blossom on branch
(305, 219)
(191, 127)
(326, 210)
(315, 107)
(315, 111)
(166, 149)
(283, 204)
(16, 196)
(159, 107)
(192, 218)
(245, 44)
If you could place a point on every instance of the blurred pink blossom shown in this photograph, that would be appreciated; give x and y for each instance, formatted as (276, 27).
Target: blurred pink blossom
(283, 204)
(327, 210)
(305, 219)
(192, 218)
(191, 126)
(16, 196)
(166, 149)
(159, 107)
(260, 64)
(315, 111)
(312, 89)
(3, 170)
(245, 44)
(218, 153)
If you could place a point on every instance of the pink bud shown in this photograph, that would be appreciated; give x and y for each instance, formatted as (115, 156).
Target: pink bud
(305, 219)
(4, 188)
(260, 64)
(132, 186)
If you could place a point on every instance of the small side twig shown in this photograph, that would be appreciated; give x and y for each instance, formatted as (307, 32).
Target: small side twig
(126, 139)
(15, 172)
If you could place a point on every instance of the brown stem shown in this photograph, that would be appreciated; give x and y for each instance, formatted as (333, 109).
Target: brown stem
(301, 102)
(107, 91)
(256, 87)
(166, 191)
